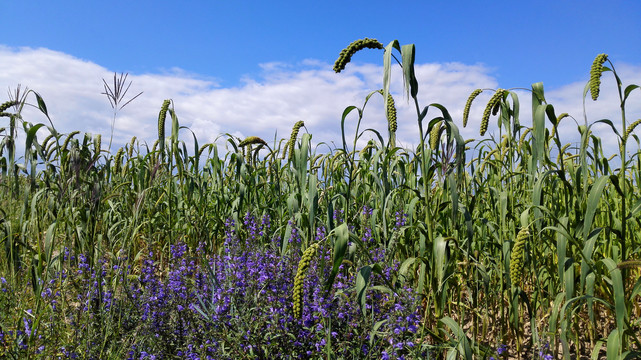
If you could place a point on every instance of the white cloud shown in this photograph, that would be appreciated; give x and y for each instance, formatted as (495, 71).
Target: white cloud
(282, 95)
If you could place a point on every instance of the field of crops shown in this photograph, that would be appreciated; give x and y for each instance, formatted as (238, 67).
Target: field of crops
(514, 245)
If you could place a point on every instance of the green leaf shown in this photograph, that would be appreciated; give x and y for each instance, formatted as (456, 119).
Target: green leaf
(593, 203)
(402, 271)
(288, 235)
(619, 294)
(462, 341)
(628, 90)
(408, 53)
(597, 349)
(41, 104)
(312, 200)
(614, 345)
(346, 112)
(441, 259)
(538, 124)
(31, 135)
(362, 281)
(374, 330)
(387, 67)
(340, 247)
(49, 238)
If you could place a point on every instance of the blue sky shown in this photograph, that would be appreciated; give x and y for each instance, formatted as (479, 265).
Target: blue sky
(236, 52)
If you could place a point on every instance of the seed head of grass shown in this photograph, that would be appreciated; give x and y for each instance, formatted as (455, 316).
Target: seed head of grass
(46, 140)
(202, 148)
(68, 139)
(558, 120)
(370, 145)
(98, 144)
(595, 75)
(523, 135)
(292, 139)
(346, 54)
(118, 158)
(434, 135)
(130, 151)
(248, 153)
(252, 140)
(301, 272)
(391, 114)
(505, 144)
(468, 105)
(517, 258)
(629, 130)
(6, 105)
(495, 101)
(565, 147)
(161, 118)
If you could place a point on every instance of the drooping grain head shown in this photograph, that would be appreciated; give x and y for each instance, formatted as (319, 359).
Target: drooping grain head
(301, 273)
(292, 139)
(46, 140)
(130, 151)
(558, 120)
(495, 109)
(49, 149)
(202, 148)
(522, 139)
(366, 149)
(468, 105)
(252, 140)
(517, 258)
(118, 159)
(629, 130)
(6, 105)
(505, 144)
(346, 54)
(595, 75)
(487, 158)
(68, 139)
(161, 118)
(495, 100)
(561, 117)
(391, 114)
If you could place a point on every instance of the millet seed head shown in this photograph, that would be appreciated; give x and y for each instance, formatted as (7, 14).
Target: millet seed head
(252, 140)
(346, 54)
(391, 114)
(6, 105)
(523, 135)
(434, 135)
(161, 118)
(595, 75)
(130, 151)
(517, 258)
(292, 139)
(495, 100)
(629, 130)
(468, 105)
(297, 292)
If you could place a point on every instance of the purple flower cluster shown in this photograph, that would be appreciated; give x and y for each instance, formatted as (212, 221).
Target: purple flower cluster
(400, 220)
(196, 305)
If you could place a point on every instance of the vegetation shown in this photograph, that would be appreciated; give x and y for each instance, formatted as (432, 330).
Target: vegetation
(517, 246)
